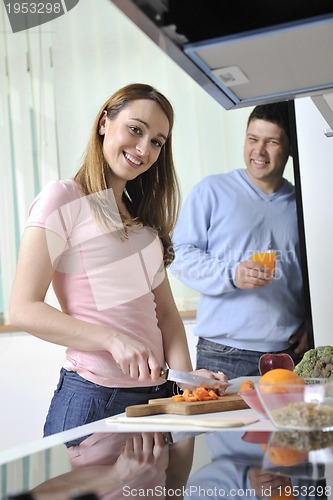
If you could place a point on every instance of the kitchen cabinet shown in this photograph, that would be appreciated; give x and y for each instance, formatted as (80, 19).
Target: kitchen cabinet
(277, 54)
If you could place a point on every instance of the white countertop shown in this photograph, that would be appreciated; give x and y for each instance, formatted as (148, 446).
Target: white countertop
(163, 426)
(141, 424)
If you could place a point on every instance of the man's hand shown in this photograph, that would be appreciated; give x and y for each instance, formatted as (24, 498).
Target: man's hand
(261, 481)
(251, 275)
(301, 339)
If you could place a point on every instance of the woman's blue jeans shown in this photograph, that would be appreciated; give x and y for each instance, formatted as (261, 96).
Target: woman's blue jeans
(76, 401)
(231, 361)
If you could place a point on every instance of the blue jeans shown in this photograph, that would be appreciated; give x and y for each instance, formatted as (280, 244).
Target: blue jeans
(76, 401)
(231, 361)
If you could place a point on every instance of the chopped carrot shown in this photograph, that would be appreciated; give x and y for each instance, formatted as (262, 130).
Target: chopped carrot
(191, 399)
(213, 394)
(200, 394)
(177, 398)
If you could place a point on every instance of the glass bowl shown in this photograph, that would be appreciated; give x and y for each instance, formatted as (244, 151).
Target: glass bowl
(294, 406)
(251, 398)
(295, 453)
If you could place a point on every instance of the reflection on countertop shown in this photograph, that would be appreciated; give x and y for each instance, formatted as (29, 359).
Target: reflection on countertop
(223, 464)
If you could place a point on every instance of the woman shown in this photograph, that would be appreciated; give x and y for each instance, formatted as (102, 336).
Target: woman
(103, 240)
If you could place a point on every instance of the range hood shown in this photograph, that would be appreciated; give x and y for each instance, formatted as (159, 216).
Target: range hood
(247, 53)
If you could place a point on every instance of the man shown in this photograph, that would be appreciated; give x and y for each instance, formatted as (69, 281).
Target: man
(243, 310)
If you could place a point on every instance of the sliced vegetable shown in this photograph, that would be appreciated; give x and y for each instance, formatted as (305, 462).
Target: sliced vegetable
(213, 394)
(178, 398)
(200, 394)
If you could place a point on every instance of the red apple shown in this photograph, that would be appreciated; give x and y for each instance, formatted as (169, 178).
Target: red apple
(270, 361)
(256, 437)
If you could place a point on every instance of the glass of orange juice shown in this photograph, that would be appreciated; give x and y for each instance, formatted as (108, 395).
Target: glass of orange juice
(267, 259)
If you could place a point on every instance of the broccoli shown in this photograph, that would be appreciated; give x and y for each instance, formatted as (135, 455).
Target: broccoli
(316, 362)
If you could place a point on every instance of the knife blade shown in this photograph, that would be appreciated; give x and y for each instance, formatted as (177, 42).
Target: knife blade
(192, 380)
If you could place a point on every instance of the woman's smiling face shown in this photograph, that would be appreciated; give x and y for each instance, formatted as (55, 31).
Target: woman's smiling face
(133, 140)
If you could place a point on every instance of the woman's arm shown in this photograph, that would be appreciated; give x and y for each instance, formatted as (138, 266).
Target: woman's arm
(29, 312)
(27, 308)
(170, 322)
(175, 345)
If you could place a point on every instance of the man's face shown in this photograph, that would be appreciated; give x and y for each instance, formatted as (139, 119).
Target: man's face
(266, 151)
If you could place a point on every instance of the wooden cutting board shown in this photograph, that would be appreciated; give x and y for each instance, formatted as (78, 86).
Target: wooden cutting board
(231, 401)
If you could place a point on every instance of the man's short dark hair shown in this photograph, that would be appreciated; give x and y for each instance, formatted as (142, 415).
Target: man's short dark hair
(276, 113)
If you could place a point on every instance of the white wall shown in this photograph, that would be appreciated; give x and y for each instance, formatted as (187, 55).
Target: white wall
(29, 371)
(316, 169)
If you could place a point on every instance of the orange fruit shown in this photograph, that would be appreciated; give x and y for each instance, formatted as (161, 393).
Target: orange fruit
(280, 376)
(278, 379)
(285, 456)
(246, 385)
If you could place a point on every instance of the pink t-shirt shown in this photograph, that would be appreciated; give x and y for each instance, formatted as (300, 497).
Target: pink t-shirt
(101, 276)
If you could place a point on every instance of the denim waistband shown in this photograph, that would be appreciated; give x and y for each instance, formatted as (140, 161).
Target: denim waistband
(73, 378)
(153, 388)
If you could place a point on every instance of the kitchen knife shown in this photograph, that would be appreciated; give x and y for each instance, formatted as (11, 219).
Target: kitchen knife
(192, 380)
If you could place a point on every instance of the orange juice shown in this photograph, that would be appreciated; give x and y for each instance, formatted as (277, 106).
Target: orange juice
(267, 259)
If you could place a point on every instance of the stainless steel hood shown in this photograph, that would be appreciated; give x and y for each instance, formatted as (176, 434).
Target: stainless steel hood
(250, 53)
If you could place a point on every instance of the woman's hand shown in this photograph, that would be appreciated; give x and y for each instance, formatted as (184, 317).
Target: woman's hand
(143, 452)
(134, 358)
(219, 377)
(142, 457)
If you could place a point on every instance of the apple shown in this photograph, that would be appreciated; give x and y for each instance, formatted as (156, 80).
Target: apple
(256, 437)
(270, 361)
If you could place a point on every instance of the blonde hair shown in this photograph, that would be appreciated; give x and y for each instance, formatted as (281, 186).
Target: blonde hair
(153, 197)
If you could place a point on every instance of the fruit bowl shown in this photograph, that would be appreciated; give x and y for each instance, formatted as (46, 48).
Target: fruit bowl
(295, 453)
(252, 400)
(303, 406)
